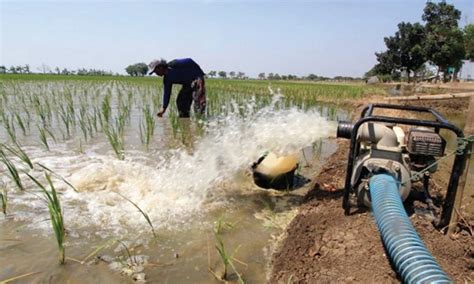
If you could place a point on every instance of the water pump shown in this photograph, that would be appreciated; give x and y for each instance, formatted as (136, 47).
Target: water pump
(386, 155)
(387, 148)
(401, 147)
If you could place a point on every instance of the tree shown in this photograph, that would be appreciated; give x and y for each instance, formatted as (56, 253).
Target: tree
(386, 68)
(261, 76)
(212, 74)
(232, 74)
(270, 76)
(3, 69)
(440, 14)
(469, 41)
(444, 43)
(240, 75)
(137, 69)
(222, 74)
(141, 68)
(405, 49)
(26, 69)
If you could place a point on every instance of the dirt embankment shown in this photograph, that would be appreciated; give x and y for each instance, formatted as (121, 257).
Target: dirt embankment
(324, 245)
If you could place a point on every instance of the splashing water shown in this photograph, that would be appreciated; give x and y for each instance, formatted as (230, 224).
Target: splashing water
(173, 191)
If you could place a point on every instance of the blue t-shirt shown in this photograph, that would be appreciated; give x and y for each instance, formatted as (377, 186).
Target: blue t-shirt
(181, 71)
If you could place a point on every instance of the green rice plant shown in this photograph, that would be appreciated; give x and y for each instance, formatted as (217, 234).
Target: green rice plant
(47, 109)
(12, 170)
(55, 213)
(66, 119)
(120, 123)
(42, 136)
(226, 260)
(175, 124)
(221, 224)
(106, 110)
(83, 123)
(90, 127)
(9, 126)
(20, 123)
(99, 117)
(127, 255)
(147, 126)
(70, 107)
(40, 111)
(115, 138)
(93, 120)
(145, 215)
(28, 116)
(4, 198)
(19, 152)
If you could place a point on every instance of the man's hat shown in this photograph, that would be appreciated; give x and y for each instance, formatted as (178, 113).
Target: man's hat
(155, 63)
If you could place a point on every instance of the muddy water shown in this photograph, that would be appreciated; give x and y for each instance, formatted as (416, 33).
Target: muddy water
(184, 185)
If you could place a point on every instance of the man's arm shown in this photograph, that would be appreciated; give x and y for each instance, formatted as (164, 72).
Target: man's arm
(166, 97)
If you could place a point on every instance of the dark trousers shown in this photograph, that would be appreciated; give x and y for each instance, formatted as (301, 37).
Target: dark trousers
(196, 91)
(184, 100)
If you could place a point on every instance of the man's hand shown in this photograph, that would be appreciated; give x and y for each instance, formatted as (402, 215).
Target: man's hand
(161, 112)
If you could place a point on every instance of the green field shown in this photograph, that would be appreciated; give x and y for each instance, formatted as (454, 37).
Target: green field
(89, 156)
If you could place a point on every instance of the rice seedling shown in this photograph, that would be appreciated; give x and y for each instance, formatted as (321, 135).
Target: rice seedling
(147, 126)
(83, 123)
(28, 116)
(175, 123)
(40, 111)
(120, 123)
(20, 153)
(93, 120)
(115, 137)
(106, 110)
(9, 126)
(221, 224)
(144, 214)
(127, 255)
(66, 119)
(55, 213)
(12, 170)
(4, 198)
(226, 260)
(20, 123)
(42, 136)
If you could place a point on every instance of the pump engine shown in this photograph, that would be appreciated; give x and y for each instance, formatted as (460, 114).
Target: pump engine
(404, 148)
(387, 147)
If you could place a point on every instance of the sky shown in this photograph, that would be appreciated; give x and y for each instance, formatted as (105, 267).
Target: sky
(327, 38)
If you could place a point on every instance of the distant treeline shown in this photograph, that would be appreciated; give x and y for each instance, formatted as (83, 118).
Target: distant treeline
(437, 47)
(25, 69)
(276, 76)
(141, 69)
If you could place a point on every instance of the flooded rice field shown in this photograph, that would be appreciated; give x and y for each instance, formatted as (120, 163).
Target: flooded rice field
(165, 200)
